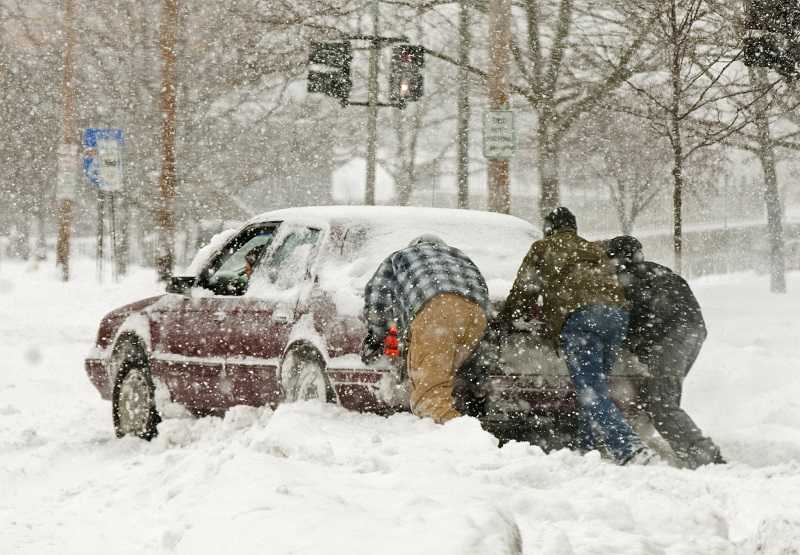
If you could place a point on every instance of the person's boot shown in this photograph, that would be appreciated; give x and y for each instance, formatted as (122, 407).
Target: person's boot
(644, 456)
(701, 454)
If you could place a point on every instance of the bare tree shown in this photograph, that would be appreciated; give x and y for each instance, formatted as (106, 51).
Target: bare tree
(689, 103)
(571, 55)
(770, 102)
(629, 159)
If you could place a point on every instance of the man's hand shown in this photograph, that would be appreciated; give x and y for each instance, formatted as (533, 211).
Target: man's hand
(371, 348)
(499, 325)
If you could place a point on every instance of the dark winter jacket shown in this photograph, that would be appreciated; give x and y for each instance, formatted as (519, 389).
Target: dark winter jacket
(663, 307)
(569, 272)
(409, 278)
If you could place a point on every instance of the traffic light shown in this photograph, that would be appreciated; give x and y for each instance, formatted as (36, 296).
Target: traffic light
(772, 41)
(763, 51)
(405, 75)
(332, 73)
(769, 51)
(774, 16)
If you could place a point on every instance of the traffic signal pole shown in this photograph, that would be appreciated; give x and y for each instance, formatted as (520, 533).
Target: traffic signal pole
(372, 110)
(329, 74)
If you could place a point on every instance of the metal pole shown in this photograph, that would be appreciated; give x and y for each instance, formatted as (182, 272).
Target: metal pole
(71, 146)
(100, 235)
(372, 110)
(462, 134)
(499, 54)
(114, 255)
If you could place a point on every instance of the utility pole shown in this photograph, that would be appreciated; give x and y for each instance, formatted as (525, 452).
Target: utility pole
(372, 109)
(165, 258)
(499, 54)
(68, 153)
(462, 133)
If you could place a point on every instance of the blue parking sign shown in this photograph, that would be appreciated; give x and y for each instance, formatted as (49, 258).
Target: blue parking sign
(102, 157)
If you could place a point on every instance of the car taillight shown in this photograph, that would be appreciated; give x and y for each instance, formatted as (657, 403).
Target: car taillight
(391, 344)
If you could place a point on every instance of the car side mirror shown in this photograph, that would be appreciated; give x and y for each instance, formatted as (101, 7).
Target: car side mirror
(180, 284)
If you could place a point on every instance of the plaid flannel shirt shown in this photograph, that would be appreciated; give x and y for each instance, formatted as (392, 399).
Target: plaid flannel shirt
(408, 278)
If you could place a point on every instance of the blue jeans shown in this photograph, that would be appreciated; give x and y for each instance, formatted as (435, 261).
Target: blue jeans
(591, 337)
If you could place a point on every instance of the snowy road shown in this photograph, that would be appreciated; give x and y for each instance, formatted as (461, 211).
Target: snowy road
(316, 479)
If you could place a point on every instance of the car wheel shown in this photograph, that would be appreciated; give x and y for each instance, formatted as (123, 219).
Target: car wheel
(304, 379)
(134, 400)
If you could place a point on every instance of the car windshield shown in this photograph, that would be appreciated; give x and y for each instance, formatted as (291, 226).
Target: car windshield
(496, 247)
(255, 245)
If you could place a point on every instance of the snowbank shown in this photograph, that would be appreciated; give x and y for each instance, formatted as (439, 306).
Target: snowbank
(310, 478)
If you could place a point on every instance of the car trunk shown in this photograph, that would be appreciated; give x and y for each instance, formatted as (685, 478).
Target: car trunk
(520, 387)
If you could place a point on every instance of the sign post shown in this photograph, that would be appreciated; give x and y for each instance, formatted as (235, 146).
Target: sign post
(103, 166)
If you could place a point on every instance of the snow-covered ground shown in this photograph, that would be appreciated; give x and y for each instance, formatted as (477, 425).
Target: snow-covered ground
(310, 478)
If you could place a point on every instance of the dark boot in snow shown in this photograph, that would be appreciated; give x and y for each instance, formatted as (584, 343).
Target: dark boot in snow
(645, 457)
(701, 454)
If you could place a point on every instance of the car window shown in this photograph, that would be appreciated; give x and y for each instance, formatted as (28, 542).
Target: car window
(229, 273)
(236, 261)
(290, 261)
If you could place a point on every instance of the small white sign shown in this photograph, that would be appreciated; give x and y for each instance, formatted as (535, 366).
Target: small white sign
(67, 179)
(499, 135)
(110, 164)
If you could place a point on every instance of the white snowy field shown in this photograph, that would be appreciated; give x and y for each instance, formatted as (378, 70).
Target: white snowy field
(310, 478)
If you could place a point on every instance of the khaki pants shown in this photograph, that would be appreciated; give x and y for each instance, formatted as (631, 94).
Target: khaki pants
(444, 334)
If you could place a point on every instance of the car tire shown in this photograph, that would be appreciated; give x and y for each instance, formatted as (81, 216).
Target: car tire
(134, 399)
(303, 378)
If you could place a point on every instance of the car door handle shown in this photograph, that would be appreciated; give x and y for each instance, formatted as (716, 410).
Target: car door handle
(220, 315)
(282, 315)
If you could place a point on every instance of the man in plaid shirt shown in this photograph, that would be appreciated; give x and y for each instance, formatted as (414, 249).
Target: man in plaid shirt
(435, 295)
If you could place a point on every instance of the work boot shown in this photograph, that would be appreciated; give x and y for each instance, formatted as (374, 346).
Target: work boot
(644, 456)
(701, 454)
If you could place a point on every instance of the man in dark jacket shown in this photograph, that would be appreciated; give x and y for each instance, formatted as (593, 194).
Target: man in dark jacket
(436, 296)
(584, 307)
(666, 332)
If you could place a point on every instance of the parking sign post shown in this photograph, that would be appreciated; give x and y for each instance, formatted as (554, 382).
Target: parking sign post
(103, 166)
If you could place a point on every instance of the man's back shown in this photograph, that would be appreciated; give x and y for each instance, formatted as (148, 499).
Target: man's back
(662, 303)
(573, 272)
(408, 278)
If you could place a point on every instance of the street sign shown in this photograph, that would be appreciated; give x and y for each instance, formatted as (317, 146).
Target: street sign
(499, 135)
(67, 171)
(102, 157)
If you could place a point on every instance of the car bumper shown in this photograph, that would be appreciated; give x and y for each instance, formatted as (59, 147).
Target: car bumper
(552, 394)
(96, 370)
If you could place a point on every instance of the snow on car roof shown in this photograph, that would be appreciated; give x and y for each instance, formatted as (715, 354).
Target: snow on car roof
(331, 215)
(495, 242)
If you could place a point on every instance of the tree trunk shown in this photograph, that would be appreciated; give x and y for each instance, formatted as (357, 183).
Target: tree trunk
(21, 246)
(41, 217)
(497, 171)
(677, 163)
(165, 261)
(462, 134)
(549, 196)
(70, 142)
(677, 209)
(766, 155)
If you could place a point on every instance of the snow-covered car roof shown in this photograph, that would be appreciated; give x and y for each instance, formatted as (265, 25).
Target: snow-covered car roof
(322, 216)
(495, 242)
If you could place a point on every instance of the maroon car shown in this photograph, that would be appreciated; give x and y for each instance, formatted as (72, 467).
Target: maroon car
(272, 313)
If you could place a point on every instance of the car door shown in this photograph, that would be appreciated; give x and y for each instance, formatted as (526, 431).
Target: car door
(197, 329)
(263, 321)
